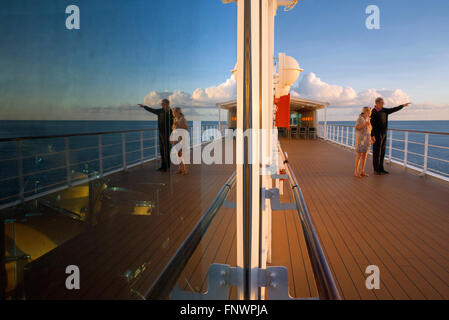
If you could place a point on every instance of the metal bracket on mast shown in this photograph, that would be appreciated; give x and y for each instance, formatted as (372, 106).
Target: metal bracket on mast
(279, 176)
(275, 200)
(230, 205)
(222, 277)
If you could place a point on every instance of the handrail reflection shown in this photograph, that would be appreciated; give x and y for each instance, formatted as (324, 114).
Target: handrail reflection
(167, 279)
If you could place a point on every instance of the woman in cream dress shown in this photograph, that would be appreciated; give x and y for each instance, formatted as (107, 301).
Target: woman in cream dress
(180, 122)
(363, 141)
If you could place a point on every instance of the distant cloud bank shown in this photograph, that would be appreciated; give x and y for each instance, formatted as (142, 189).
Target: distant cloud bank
(345, 103)
(199, 98)
(312, 87)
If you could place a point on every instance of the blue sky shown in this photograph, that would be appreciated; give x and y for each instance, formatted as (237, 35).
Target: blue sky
(125, 50)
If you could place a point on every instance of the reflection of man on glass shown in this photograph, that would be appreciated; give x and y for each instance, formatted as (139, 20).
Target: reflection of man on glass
(379, 124)
(165, 123)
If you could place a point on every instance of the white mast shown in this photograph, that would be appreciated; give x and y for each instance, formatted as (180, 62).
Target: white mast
(254, 75)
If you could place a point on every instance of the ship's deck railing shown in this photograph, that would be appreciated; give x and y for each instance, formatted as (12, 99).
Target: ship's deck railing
(325, 283)
(35, 166)
(423, 151)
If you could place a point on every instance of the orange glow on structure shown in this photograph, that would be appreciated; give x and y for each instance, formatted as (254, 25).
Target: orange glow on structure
(283, 112)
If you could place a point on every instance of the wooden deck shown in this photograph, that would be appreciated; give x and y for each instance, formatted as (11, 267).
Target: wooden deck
(146, 243)
(219, 246)
(140, 244)
(399, 222)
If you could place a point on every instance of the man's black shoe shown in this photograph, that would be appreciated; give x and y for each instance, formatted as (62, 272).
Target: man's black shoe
(377, 173)
(162, 169)
(384, 172)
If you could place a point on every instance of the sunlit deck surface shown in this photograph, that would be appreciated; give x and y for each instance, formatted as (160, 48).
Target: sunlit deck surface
(399, 222)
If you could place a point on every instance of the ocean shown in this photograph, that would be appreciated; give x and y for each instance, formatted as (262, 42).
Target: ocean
(44, 160)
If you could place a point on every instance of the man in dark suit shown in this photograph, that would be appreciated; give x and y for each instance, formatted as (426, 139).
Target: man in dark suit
(165, 123)
(379, 123)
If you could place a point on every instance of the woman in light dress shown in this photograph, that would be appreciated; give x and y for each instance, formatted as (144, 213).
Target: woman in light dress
(363, 141)
(180, 122)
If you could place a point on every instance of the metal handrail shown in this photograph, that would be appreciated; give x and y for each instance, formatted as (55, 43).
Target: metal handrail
(402, 130)
(326, 285)
(334, 134)
(84, 134)
(167, 279)
(72, 135)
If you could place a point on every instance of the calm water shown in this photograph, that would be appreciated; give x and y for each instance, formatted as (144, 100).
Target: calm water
(44, 160)
(49, 155)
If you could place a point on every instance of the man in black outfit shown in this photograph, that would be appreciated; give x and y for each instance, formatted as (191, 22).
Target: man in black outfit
(165, 123)
(379, 123)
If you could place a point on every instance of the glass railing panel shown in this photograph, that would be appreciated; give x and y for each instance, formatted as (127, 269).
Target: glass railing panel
(120, 229)
(150, 144)
(84, 157)
(132, 147)
(211, 241)
(43, 165)
(438, 160)
(9, 172)
(112, 152)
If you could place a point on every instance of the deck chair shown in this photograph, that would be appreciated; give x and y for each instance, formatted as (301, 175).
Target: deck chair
(312, 133)
(294, 132)
(302, 132)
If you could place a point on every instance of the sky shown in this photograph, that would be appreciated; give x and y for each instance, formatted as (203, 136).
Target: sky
(133, 51)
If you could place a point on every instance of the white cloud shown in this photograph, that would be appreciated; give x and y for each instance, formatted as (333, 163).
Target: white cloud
(199, 98)
(201, 104)
(223, 92)
(312, 87)
(346, 103)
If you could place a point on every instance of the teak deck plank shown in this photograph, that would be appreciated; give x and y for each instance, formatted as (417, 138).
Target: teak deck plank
(303, 278)
(406, 235)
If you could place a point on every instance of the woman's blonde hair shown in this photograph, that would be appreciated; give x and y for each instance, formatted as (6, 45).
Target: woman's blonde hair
(178, 110)
(365, 109)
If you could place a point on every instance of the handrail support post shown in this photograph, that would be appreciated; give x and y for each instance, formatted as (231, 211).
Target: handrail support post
(426, 153)
(405, 149)
(67, 161)
(390, 156)
(100, 154)
(20, 169)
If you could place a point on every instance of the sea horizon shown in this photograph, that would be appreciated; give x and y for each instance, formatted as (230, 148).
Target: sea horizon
(22, 128)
